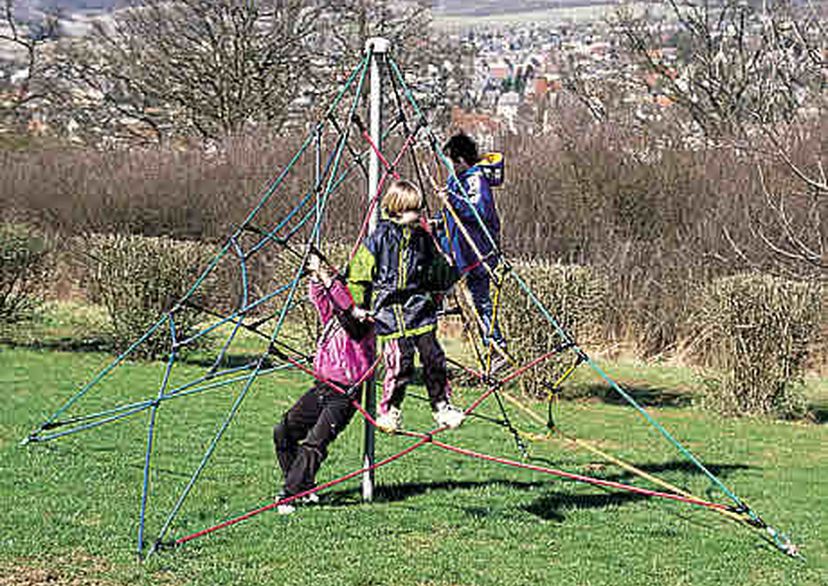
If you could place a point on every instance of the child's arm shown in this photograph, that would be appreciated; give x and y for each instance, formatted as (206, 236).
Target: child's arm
(320, 288)
(441, 273)
(463, 202)
(361, 271)
(320, 298)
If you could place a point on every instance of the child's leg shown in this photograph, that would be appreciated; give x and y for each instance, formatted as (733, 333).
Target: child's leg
(433, 360)
(337, 411)
(478, 282)
(398, 356)
(294, 427)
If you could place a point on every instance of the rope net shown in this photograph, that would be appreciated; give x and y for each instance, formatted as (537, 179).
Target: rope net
(262, 324)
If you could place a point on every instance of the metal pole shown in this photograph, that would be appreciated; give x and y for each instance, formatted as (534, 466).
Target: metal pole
(376, 47)
(317, 178)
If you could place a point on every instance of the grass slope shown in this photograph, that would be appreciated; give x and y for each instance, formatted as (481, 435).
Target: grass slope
(71, 506)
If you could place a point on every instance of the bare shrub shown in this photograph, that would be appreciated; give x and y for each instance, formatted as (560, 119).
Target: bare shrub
(575, 295)
(137, 280)
(654, 216)
(754, 334)
(24, 256)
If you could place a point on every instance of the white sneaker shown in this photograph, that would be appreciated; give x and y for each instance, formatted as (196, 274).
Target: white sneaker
(310, 499)
(285, 508)
(449, 416)
(390, 421)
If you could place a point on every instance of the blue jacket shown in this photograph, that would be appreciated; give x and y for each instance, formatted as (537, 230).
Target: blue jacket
(478, 193)
(399, 269)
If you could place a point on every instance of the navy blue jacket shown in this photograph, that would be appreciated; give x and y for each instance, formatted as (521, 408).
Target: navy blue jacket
(400, 269)
(478, 195)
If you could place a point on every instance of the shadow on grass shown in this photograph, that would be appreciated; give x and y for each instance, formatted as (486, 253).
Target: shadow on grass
(681, 466)
(819, 413)
(65, 344)
(549, 506)
(643, 395)
(400, 492)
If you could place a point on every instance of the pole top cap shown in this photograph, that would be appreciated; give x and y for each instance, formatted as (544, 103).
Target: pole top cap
(377, 45)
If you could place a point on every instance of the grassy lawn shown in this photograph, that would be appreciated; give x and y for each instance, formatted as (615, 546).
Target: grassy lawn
(71, 505)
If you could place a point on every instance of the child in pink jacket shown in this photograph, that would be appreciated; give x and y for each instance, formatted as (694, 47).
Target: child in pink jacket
(344, 355)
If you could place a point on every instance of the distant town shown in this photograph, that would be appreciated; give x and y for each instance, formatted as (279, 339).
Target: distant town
(515, 60)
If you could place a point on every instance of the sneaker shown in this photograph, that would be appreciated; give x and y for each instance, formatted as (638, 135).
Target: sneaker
(390, 421)
(499, 362)
(285, 508)
(310, 499)
(449, 416)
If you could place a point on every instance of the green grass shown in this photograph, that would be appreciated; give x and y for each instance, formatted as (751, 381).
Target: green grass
(71, 506)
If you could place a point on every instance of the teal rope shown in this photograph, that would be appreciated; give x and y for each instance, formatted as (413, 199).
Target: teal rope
(271, 188)
(184, 391)
(122, 415)
(151, 435)
(561, 332)
(242, 303)
(101, 374)
(235, 315)
(237, 403)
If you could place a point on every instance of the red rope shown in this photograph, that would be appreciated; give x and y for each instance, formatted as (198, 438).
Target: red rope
(424, 438)
(375, 199)
(580, 477)
(532, 364)
(390, 168)
(291, 498)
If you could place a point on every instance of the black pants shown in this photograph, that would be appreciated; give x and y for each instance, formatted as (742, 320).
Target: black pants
(302, 438)
(398, 355)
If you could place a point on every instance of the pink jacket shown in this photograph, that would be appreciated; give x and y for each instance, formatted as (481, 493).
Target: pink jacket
(339, 358)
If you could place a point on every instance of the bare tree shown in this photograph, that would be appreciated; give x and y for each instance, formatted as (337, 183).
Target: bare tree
(753, 80)
(738, 66)
(206, 68)
(211, 68)
(26, 39)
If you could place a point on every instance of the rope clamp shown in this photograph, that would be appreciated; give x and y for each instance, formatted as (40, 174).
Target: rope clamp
(491, 381)
(358, 121)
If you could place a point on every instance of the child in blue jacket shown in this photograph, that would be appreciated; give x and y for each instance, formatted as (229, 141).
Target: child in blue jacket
(470, 197)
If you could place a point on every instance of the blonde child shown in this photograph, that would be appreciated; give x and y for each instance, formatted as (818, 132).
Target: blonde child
(401, 270)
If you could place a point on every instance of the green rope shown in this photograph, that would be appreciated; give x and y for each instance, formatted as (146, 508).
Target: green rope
(561, 332)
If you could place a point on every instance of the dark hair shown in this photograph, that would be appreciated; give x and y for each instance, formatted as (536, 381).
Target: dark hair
(462, 146)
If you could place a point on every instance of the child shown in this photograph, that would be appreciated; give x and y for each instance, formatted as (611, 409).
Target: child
(470, 189)
(401, 269)
(344, 355)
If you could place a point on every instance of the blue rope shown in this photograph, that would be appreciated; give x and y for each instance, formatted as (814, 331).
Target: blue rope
(294, 284)
(151, 434)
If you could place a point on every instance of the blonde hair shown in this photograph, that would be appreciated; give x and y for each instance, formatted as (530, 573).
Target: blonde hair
(402, 196)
